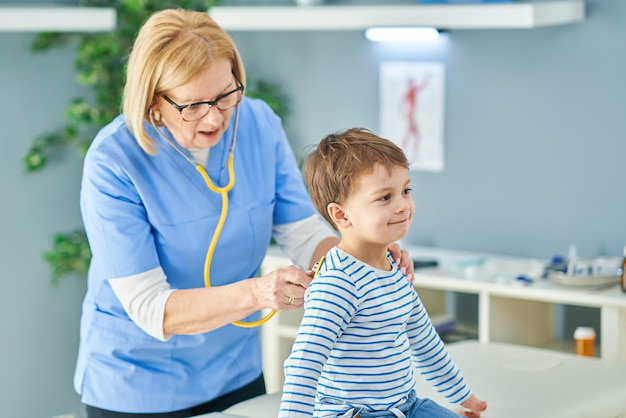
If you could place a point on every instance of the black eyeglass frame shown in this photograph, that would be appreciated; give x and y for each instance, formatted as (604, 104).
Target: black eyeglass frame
(212, 103)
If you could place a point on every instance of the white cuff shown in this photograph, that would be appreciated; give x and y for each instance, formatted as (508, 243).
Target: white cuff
(143, 296)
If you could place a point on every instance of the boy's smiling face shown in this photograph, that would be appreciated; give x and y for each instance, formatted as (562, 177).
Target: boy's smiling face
(379, 209)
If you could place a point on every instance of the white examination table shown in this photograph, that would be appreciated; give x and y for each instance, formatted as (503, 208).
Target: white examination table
(516, 381)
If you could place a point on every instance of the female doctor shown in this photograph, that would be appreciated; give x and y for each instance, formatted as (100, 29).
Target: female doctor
(179, 220)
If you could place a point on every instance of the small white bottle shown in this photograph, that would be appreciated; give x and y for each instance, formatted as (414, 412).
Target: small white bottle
(573, 265)
(623, 278)
(571, 251)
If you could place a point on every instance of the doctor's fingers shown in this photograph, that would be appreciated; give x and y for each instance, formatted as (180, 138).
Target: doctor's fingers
(290, 280)
(296, 276)
(281, 289)
(403, 259)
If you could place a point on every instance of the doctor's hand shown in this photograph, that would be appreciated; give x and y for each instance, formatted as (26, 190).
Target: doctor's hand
(474, 407)
(403, 260)
(282, 289)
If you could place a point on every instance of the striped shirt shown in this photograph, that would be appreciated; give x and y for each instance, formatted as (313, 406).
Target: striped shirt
(361, 331)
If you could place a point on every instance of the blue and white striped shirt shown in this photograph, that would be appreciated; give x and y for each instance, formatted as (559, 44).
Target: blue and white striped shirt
(361, 329)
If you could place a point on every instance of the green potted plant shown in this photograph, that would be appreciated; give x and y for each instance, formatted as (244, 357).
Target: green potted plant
(100, 65)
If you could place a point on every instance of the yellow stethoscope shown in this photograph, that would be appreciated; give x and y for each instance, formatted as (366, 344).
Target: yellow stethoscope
(223, 192)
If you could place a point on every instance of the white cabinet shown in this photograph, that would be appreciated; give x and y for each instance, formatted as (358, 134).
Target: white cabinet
(508, 312)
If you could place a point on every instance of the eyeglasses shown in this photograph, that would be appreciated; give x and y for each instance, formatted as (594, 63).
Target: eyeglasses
(196, 111)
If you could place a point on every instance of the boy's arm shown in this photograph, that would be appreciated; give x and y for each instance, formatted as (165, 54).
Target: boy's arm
(432, 358)
(436, 363)
(323, 322)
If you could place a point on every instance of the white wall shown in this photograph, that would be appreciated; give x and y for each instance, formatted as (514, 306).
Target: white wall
(534, 127)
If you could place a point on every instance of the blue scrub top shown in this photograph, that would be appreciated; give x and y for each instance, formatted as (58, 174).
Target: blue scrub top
(141, 212)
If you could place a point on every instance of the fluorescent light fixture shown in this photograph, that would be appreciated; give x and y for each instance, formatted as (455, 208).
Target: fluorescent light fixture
(401, 34)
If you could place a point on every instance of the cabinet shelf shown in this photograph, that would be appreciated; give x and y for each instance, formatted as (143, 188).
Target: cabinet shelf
(516, 15)
(57, 19)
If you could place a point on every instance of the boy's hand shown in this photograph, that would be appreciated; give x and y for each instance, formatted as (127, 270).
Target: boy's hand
(474, 405)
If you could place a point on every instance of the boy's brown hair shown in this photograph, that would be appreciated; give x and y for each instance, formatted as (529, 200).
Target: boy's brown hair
(333, 167)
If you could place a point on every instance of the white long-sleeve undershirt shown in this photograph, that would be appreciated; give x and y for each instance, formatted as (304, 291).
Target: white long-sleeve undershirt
(144, 295)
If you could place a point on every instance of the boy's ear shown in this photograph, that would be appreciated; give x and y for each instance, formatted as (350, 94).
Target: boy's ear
(338, 215)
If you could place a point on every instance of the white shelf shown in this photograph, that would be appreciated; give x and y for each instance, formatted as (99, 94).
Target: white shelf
(57, 19)
(518, 15)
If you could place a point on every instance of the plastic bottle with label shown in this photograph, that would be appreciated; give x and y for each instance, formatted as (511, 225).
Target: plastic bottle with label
(585, 338)
(623, 278)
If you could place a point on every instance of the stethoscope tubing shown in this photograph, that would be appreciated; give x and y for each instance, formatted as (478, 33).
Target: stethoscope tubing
(223, 192)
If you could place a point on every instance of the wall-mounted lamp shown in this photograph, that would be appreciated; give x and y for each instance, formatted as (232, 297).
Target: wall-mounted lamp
(401, 34)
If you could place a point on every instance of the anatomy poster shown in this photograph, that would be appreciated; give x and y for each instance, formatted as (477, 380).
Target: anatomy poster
(411, 111)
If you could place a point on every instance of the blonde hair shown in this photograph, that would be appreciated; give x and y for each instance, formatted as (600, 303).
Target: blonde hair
(172, 48)
(340, 159)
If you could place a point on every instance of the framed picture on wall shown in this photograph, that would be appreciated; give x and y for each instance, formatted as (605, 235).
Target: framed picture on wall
(412, 110)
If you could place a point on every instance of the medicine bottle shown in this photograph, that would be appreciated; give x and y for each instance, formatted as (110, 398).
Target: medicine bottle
(585, 338)
(623, 278)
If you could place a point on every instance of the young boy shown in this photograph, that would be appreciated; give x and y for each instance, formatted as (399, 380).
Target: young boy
(363, 321)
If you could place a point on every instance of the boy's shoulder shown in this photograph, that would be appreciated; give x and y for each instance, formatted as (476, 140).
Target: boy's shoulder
(334, 264)
(337, 260)
(339, 264)
(334, 273)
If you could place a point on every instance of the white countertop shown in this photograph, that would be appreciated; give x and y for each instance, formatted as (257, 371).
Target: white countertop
(474, 272)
